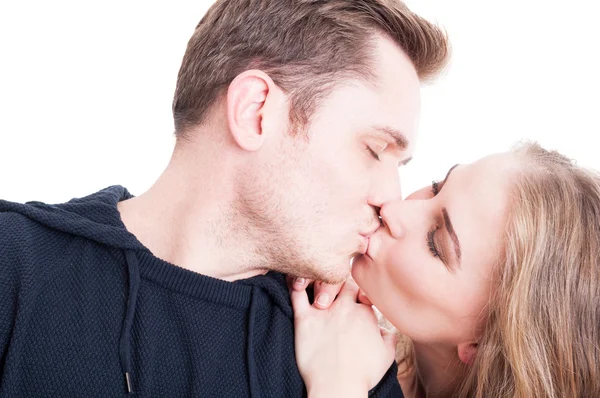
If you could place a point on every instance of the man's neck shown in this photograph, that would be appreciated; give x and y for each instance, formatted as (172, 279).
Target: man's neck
(439, 368)
(187, 218)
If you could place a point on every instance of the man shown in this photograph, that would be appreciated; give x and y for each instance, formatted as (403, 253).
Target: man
(291, 118)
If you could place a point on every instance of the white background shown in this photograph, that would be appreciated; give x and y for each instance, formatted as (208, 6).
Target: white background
(86, 89)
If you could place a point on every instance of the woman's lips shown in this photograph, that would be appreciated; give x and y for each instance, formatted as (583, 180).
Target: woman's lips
(374, 242)
(364, 247)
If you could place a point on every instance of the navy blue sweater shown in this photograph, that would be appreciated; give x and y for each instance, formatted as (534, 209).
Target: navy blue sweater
(87, 311)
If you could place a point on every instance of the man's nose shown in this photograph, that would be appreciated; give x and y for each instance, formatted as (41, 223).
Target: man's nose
(385, 189)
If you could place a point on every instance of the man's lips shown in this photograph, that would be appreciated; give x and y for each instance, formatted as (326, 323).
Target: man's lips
(366, 237)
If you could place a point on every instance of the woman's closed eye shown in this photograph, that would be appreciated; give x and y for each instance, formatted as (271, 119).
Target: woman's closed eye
(433, 247)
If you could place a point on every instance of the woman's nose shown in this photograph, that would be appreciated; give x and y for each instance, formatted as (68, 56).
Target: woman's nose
(391, 216)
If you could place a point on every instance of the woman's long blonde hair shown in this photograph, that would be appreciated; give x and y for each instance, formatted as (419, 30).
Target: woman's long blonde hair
(542, 337)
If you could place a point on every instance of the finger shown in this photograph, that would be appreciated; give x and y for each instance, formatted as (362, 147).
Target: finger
(349, 291)
(300, 283)
(325, 294)
(300, 302)
(289, 281)
(362, 298)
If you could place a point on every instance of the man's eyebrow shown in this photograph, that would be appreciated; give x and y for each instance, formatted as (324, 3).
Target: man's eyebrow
(398, 137)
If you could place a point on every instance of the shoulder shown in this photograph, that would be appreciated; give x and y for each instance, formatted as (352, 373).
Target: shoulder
(20, 236)
(27, 247)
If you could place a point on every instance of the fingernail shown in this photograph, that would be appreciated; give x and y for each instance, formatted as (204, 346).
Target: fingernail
(299, 281)
(323, 299)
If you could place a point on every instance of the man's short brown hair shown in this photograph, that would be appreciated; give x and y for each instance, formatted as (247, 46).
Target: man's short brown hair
(305, 46)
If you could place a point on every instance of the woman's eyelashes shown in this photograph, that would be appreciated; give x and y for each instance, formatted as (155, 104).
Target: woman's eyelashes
(433, 247)
(431, 242)
(435, 187)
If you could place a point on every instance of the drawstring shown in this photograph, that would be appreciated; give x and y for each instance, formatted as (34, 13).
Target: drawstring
(134, 284)
(124, 346)
(253, 378)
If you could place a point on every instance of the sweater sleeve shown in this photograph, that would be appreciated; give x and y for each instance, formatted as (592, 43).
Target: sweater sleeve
(388, 387)
(8, 288)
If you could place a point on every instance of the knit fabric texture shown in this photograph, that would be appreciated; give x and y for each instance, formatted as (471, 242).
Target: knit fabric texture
(87, 311)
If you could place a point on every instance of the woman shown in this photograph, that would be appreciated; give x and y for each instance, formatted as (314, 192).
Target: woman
(491, 276)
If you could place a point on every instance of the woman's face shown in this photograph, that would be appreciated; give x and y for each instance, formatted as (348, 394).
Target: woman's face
(429, 268)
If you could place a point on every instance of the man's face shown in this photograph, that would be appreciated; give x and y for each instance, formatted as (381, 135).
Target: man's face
(320, 197)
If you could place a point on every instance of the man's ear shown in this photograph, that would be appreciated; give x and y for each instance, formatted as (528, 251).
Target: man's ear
(467, 352)
(246, 99)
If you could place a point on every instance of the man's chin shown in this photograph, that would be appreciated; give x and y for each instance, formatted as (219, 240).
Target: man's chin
(329, 270)
(337, 273)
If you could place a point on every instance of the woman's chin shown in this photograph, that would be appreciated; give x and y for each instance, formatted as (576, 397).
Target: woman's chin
(360, 265)
(360, 260)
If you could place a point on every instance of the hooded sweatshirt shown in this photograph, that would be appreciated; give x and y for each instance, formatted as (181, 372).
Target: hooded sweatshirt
(87, 311)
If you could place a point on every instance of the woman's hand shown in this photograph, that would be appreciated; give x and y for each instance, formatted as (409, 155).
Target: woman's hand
(340, 351)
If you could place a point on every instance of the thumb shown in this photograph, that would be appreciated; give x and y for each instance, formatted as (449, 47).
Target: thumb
(300, 302)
